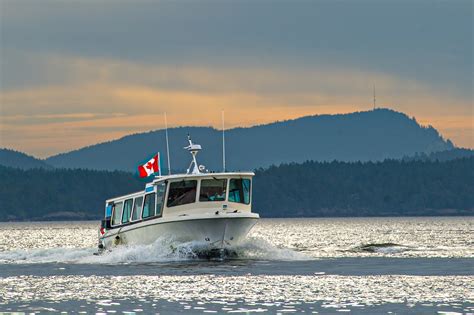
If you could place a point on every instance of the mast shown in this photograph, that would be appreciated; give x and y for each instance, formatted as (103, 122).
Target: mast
(167, 146)
(223, 142)
(374, 96)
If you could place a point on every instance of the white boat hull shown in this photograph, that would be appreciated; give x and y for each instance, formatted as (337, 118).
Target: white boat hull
(216, 231)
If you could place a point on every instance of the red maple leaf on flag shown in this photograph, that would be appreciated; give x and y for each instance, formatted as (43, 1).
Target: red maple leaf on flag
(150, 167)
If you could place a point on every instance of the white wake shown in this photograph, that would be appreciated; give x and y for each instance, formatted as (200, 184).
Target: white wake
(162, 250)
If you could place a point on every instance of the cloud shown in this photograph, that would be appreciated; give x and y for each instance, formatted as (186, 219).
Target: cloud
(423, 40)
(92, 81)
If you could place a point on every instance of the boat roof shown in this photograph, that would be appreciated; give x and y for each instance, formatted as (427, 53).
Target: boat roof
(200, 175)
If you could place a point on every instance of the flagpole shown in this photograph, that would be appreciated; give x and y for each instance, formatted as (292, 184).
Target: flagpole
(159, 164)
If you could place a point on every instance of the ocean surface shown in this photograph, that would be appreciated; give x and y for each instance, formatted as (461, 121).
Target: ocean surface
(326, 266)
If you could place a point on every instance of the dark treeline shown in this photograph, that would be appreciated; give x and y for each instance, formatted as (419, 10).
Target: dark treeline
(366, 189)
(39, 194)
(442, 156)
(290, 190)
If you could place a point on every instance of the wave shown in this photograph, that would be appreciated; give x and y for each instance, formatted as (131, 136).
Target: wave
(162, 250)
(381, 248)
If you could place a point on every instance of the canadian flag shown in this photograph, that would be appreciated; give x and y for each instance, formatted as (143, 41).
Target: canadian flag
(150, 167)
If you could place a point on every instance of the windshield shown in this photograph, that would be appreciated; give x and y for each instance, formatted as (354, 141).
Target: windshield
(181, 193)
(213, 189)
(239, 190)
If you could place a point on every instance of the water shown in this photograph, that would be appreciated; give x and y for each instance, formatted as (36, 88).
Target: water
(366, 265)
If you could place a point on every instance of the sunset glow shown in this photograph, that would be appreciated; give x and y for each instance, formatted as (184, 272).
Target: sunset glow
(55, 99)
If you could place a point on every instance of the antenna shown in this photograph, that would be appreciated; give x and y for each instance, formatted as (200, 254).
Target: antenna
(223, 142)
(374, 96)
(167, 146)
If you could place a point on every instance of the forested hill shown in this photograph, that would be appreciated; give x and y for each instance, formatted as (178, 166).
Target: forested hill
(366, 189)
(40, 194)
(365, 136)
(293, 190)
(21, 160)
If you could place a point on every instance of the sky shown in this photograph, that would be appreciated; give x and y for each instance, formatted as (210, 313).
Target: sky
(75, 73)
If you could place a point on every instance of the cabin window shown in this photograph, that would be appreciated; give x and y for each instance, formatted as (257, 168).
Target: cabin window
(181, 193)
(127, 210)
(108, 210)
(137, 207)
(160, 198)
(117, 213)
(239, 190)
(213, 189)
(149, 206)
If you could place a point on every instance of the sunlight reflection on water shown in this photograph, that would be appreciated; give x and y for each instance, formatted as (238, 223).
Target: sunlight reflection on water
(234, 292)
(161, 283)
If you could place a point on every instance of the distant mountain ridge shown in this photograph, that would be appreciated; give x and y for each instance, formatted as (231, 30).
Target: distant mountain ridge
(361, 136)
(16, 159)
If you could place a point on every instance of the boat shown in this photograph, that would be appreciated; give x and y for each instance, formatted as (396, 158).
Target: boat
(213, 209)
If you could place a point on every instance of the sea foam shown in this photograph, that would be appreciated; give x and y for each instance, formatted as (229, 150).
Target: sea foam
(163, 249)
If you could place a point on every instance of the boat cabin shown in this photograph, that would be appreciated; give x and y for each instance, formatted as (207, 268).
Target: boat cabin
(182, 195)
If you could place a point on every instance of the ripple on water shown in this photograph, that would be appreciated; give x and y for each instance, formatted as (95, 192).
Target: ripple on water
(234, 293)
(272, 239)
